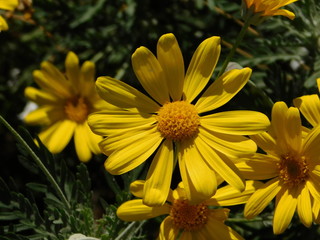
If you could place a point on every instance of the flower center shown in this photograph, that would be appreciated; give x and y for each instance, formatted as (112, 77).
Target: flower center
(77, 109)
(178, 120)
(189, 217)
(293, 170)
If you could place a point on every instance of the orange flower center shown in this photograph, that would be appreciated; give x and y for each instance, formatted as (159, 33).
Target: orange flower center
(178, 120)
(293, 170)
(189, 217)
(77, 109)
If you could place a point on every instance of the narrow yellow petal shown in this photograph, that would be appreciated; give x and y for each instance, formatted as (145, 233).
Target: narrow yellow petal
(223, 89)
(199, 176)
(8, 4)
(123, 95)
(278, 124)
(3, 24)
(311, 145)
(221, 164)
(87, 79)
(265, 141)
(131, 155)
(259, 167)
(171, 61)
(73, 70)
(150, 74)
(57, 136)
(167, 230)
(239, 122)
(285, 208)
(135, 210)
(45, 115)
(313, 186)
(304, 206)
(309, 105)
(93, 139)
(293, 131)
(81, 143)
(284, 12)
(201, 67)
(41, 97)
(229, 196)
(261, 198)
(136, 188)
(158, 180)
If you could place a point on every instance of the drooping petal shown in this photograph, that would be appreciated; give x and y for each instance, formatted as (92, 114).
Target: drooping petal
(229, 196)
(201, 67)
(108, 122)
(171, 61)
(199, 179)
(58, 135)
(81, 143)
(131, 152)
(123, 95)
(135, 210)
(229, 145)
(285, 13)
(261, 198)
(304, 206)
(223, 89)
(285, 208)
(150, 74)
(309, 105)
(259, 167)
(167, 230)
(158, 180)
(238, 122)
(221, 164)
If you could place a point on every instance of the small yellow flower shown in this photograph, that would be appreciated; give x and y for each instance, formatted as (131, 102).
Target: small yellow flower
(6, 5)
(65, 101)
(309, 105)
(174, 121)
(267, 8)
(199, 221)
(292, 165)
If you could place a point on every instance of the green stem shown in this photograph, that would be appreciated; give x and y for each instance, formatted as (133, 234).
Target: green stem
(235, 45)
(38, 162)
(128, 228)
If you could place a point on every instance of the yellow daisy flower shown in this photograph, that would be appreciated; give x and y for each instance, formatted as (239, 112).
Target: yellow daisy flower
(200, 221)
(292, 165)
(64, 101)
(174, 121)
(269, 8)
(6, 5)
(309, 105)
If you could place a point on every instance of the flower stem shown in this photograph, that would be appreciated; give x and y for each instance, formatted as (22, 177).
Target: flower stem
(38, 162)
(128, 228)
(235, 45)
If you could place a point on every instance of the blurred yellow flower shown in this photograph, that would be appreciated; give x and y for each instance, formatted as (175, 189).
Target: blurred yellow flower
(174, 121)
(309, 105)
(268, 8)
(292, 164)
(6, 5)
(65, 101)
(200, 221)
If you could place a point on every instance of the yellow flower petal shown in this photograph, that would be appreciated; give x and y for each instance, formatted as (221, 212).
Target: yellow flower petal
(318, 84)
(261, 198)
(278, 122)
(93, 140)
(201, 67)
(81, 143)
(73, 70)
(200, 177)
(136, 188)
(44, 115)
(304, 206)
(259, 167)
(311, 145)
(8, 4)
(41, 97)
(3, 24)
(135, 210)
(284, 12)
(131, 152)
(285, 208)
(150, 74)
(124, 96)
(229, 145)
(58, 135)
(313, 186)
(221, 164)
(87, 79)
(171, 61)
(158, 180)
(238, 122)
(309, 106)
(293, 130)
(265, 141)
(167, 230)
(108, 122)
(229, 196)
(223, 89)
